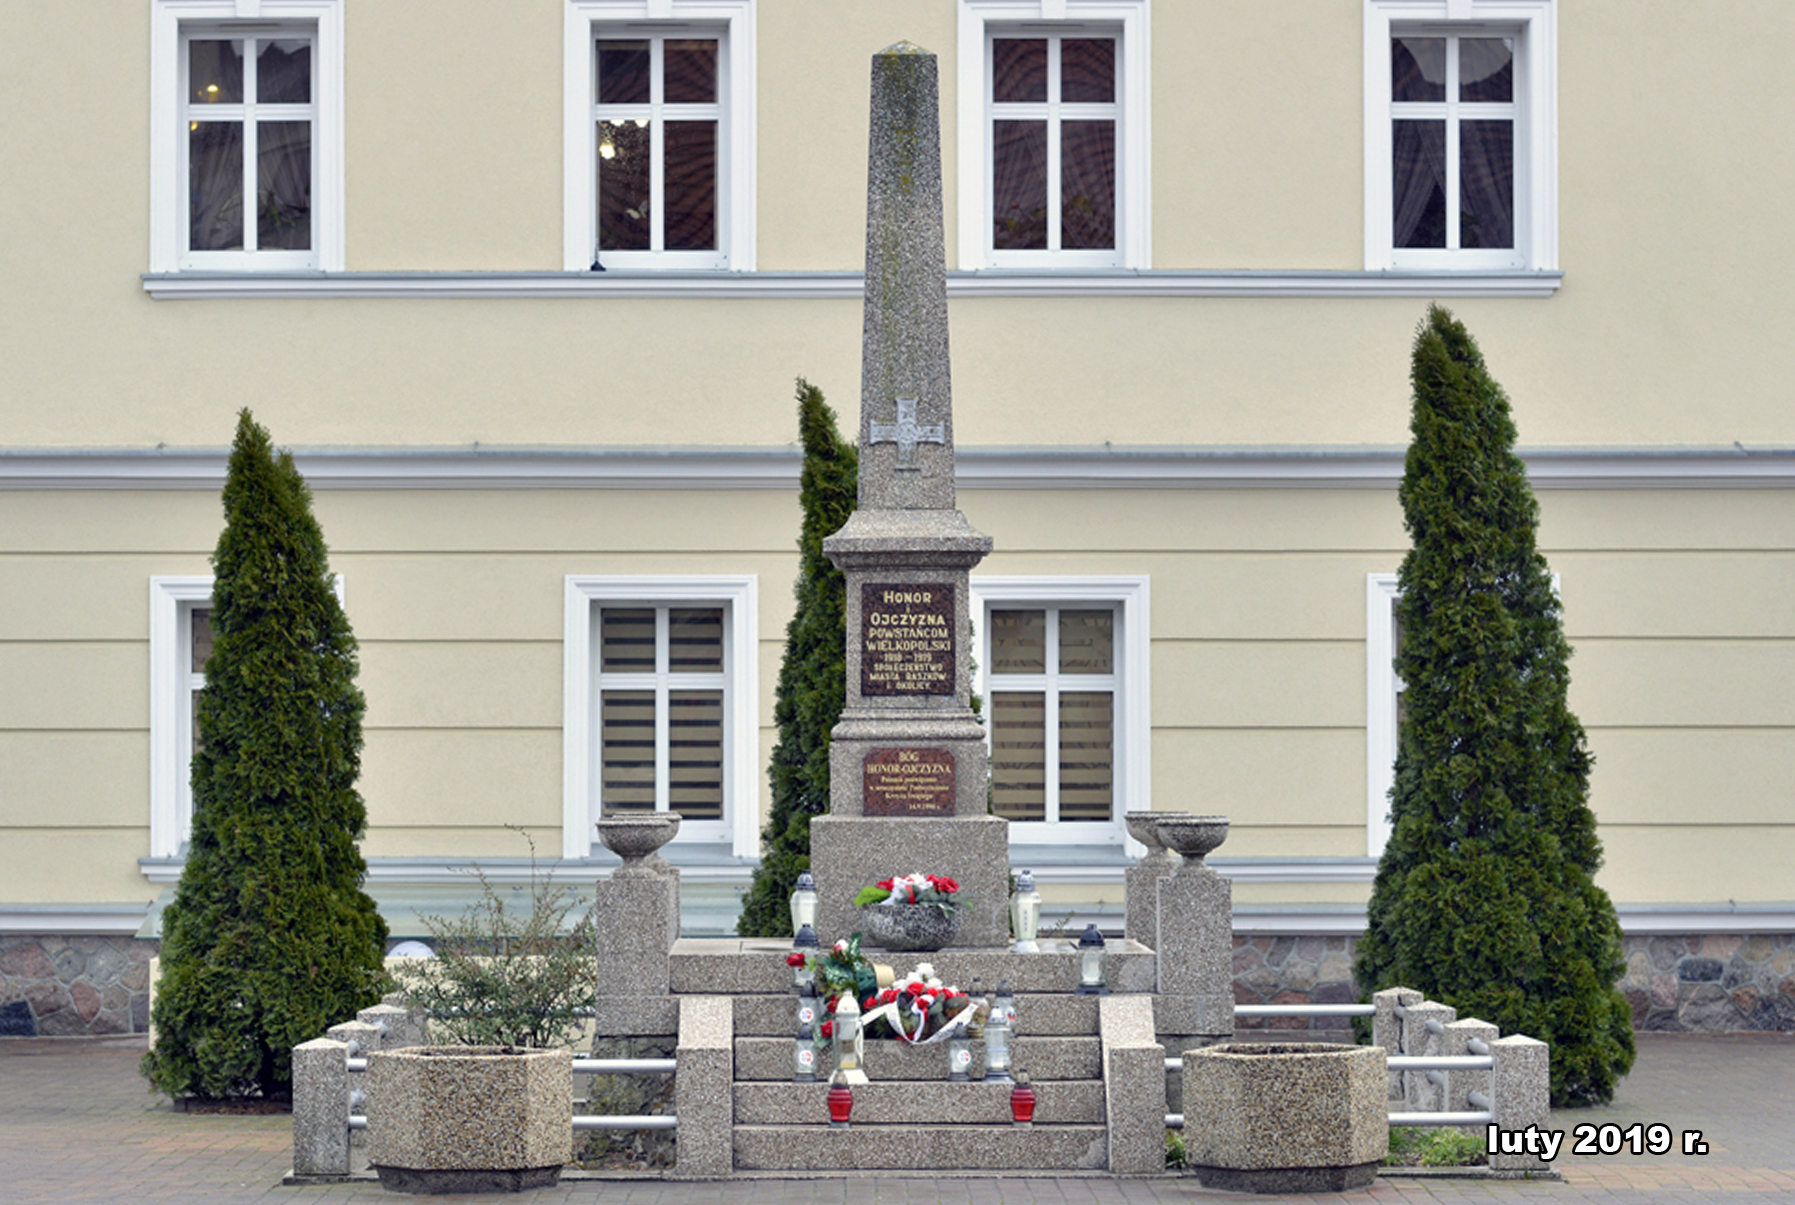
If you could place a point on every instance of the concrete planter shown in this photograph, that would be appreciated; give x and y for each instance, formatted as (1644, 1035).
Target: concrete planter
(1285, 1117)
(466, 1119)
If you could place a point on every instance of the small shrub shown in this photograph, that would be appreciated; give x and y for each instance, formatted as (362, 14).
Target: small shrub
(1174, 1149)
(1415, 1146)
(503, 976)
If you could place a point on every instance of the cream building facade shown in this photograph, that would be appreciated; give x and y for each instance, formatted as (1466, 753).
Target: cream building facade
(1188, 247)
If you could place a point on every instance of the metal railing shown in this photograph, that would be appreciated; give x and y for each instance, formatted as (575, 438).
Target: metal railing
(329, 1108)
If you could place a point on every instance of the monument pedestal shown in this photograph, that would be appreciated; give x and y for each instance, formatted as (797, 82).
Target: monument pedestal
(858, 851)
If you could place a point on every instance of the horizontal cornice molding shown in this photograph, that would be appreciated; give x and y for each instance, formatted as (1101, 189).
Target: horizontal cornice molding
(1637, 920)
(978, 468)
(801, 286)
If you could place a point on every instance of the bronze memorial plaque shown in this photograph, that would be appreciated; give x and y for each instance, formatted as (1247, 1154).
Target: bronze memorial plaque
(906, 639)
(908, 782)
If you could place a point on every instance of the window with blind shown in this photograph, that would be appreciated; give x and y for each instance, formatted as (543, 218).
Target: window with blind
(1051, 682)
(662, 702)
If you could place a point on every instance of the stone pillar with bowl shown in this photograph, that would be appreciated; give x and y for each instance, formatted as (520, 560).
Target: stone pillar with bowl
(1195, 937)
(1141, 881)
(638, 910)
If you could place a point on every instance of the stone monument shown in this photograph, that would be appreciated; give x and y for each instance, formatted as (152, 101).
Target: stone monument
(908, 760)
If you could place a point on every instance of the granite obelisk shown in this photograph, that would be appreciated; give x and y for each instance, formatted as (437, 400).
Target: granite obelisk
(908, 760)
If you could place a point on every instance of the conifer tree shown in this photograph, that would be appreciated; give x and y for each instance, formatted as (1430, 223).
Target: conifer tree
(270, 938)
(812, 678)
(1485, 897)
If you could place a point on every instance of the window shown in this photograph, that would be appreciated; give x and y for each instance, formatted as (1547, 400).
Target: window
(246, 135)
(1384, 710)
(660, 704)
(1460, 122)
(659, 134)
(1063, 671)
(180, 643)
(1053, 124)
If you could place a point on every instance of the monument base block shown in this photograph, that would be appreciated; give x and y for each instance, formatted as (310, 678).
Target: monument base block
(848, 853)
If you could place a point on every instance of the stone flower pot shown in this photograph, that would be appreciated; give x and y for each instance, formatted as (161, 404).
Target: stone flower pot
(469, 1119)
(1285, 1117)
(918, 927)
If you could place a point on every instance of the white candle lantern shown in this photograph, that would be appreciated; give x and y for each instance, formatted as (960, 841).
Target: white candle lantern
(1025, 914)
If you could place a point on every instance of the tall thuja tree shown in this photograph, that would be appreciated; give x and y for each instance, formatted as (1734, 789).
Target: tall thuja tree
(1486, 898)
(270, 938)
(812, 678)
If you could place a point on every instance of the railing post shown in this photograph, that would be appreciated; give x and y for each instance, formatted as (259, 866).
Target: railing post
(366, 1039)
(321, 1108)
(1522, 1095)
(1460, 1084)
(703, 1092)
(403, 1026)
(1418, 1038)
(1386, 1027)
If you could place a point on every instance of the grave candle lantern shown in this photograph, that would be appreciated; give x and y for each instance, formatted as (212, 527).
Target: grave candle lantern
(998, 1031)
(804, 913)
(1090, 964)
(850, 1041)
(804, 1048)
(959, 1058)
(841, 1103)
(1025, 914)
(1022, 1102)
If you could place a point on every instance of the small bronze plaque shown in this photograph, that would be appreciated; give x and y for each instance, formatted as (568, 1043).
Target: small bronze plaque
(906, 639)
(908, 782)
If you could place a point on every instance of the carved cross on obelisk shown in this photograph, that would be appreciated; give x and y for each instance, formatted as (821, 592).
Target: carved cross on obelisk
(906, 433)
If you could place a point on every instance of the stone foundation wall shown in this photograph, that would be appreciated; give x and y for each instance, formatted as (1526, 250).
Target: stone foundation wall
(75, 986)
(1295, 970)
(55, 986)
(1712, 983)
(1704, 983)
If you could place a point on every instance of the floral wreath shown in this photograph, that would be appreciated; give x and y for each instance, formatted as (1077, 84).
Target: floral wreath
(919, 1008)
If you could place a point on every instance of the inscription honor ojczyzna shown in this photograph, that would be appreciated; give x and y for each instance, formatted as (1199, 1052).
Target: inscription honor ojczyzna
(906, 639)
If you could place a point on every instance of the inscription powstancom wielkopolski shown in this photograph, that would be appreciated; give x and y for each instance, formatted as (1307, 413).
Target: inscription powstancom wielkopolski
(906, 639)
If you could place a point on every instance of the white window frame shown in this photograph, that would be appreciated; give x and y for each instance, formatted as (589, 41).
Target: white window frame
(1127, 21)
(584, 595)
(733, 23)
(1382, 687)
(1534, 26)
(170, 23)
(173, 599)
(1131, 597)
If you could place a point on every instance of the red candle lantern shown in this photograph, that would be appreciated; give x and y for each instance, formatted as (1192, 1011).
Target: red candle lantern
(1022, 1103)
(841, 1103)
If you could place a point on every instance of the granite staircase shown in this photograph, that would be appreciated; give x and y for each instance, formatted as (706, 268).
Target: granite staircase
(911, 1117)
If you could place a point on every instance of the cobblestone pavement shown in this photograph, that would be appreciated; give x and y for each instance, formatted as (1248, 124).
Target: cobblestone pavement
(76, 1124)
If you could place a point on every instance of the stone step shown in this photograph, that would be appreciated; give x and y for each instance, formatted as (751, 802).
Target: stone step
(1044, 1014)
(920, 1148)
(1057, 1102)
(724, 966)
(1044, 1058)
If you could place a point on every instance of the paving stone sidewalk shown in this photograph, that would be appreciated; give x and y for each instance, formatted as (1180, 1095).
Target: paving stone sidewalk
(76, 1124)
